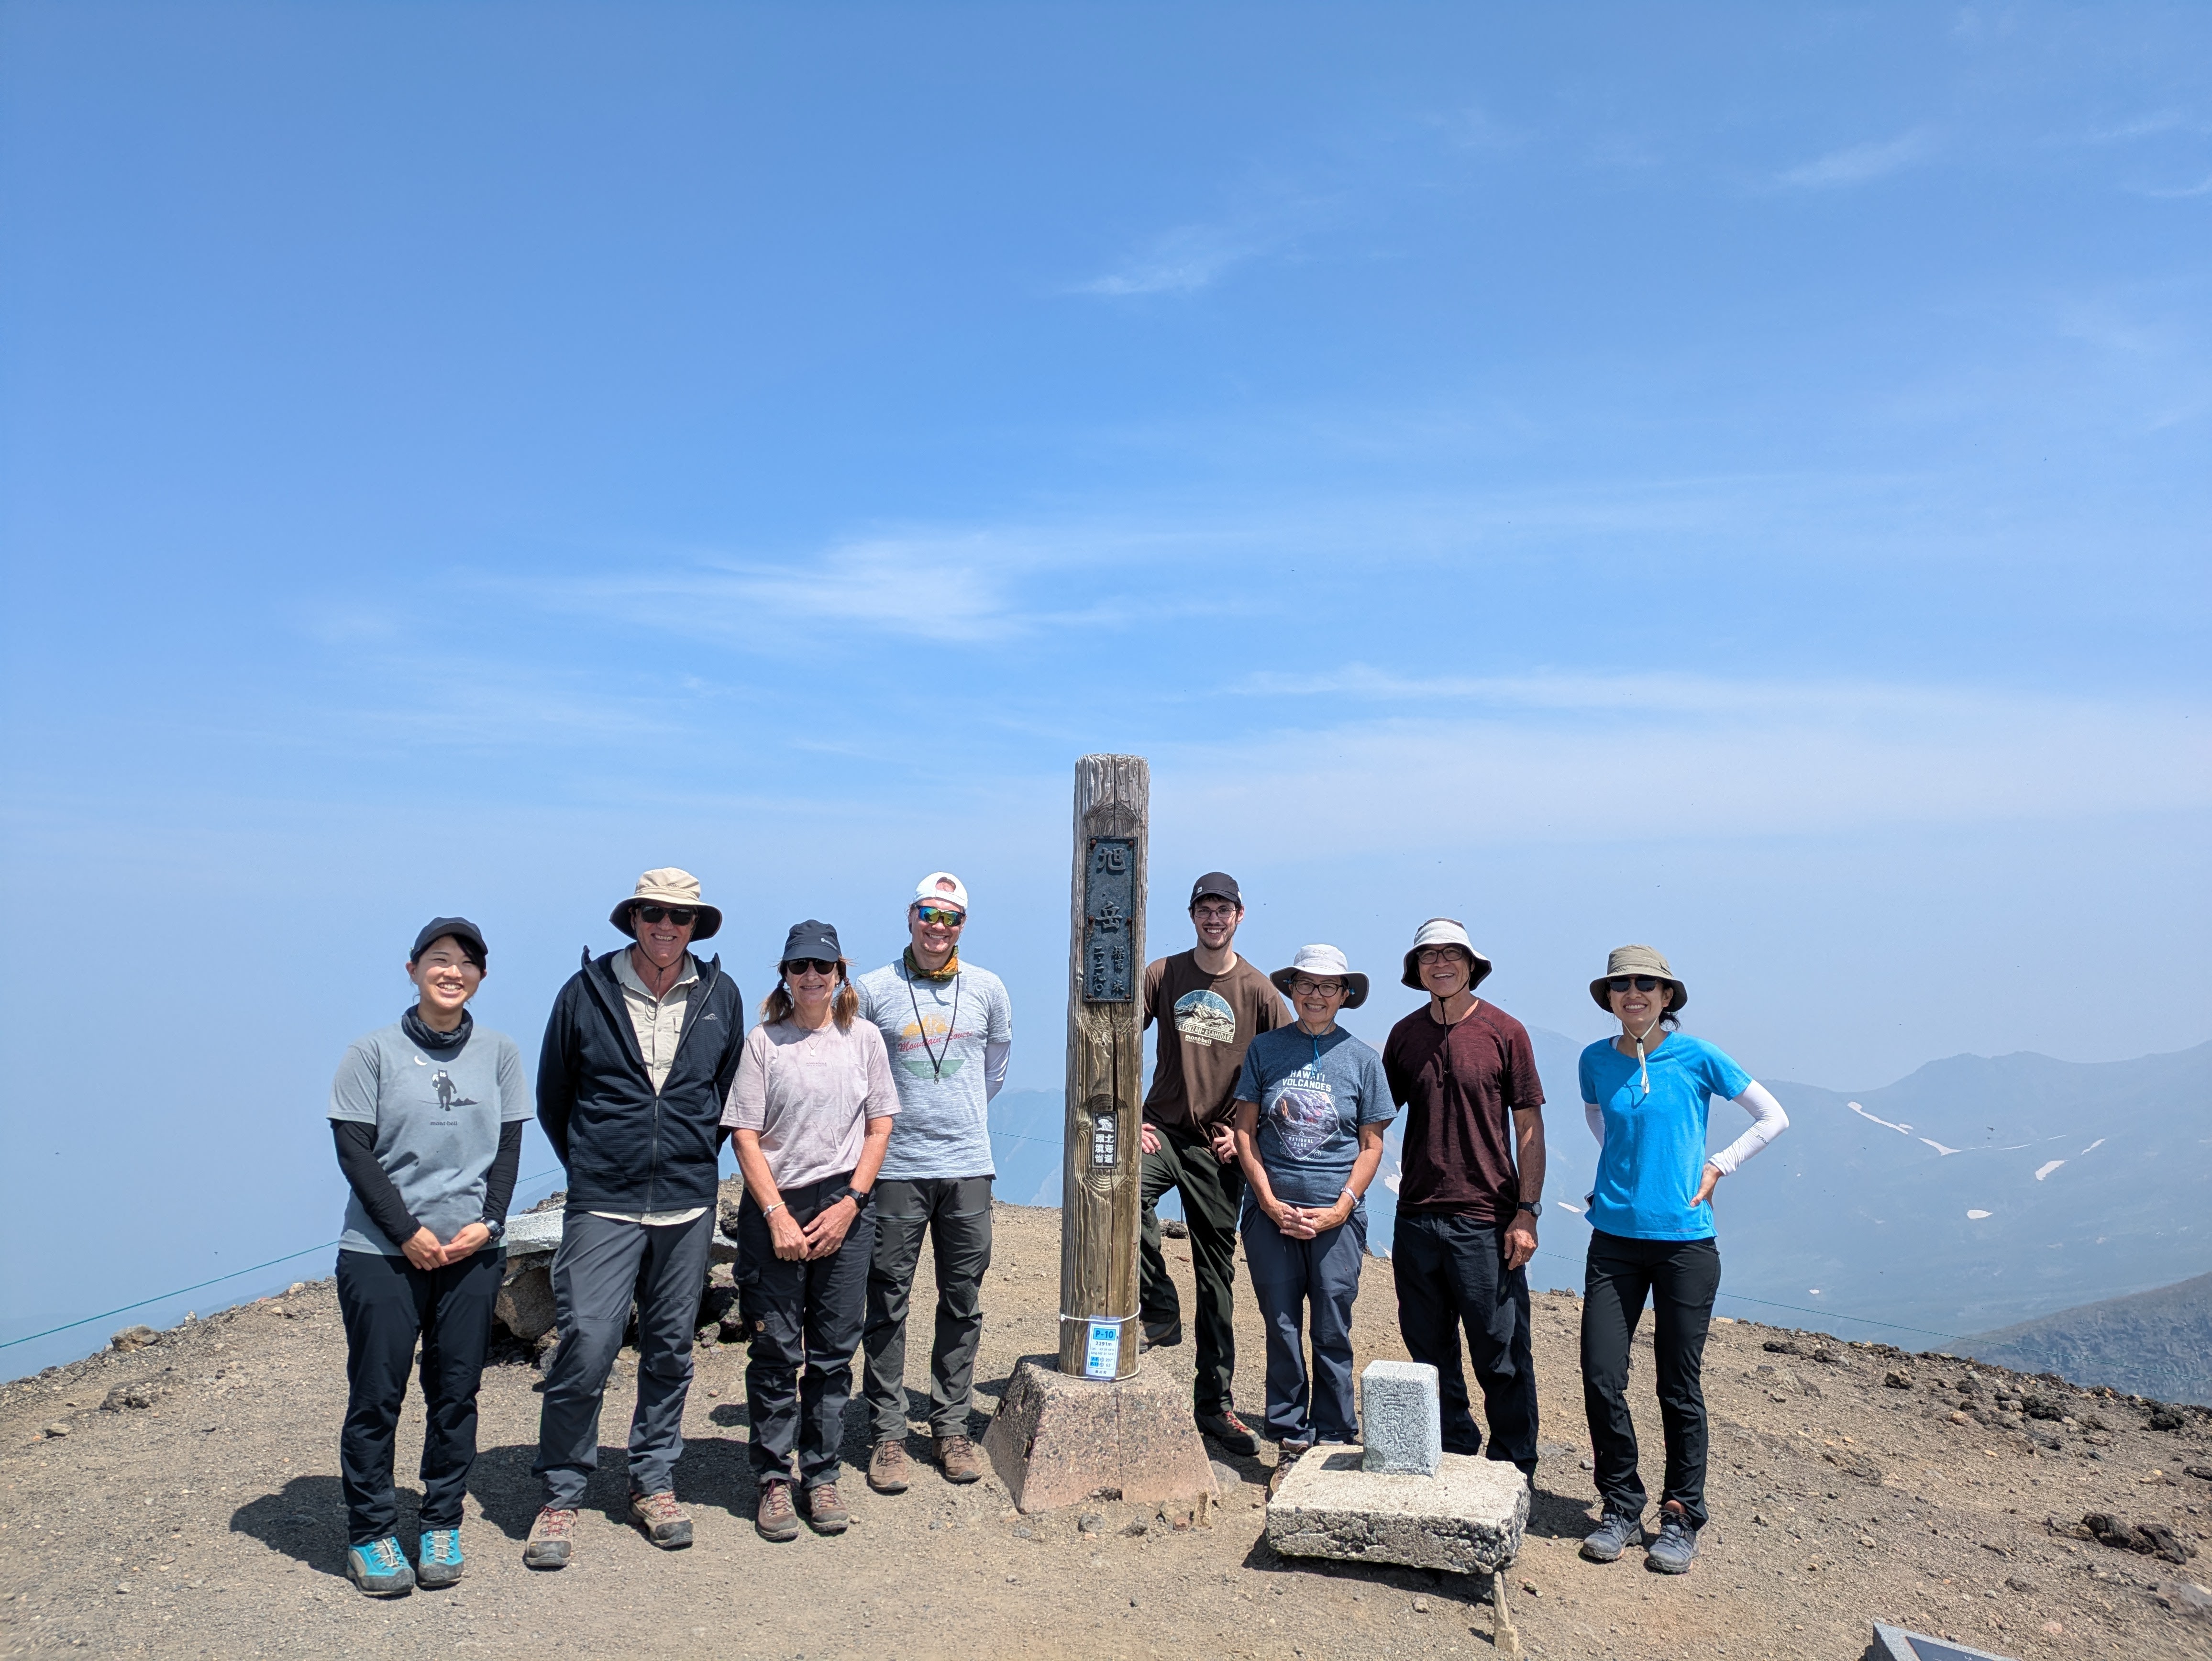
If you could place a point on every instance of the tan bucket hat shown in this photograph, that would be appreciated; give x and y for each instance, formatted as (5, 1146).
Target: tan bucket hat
(669, 886)
(1443, 931)
(1322, 963)
(1637, 960)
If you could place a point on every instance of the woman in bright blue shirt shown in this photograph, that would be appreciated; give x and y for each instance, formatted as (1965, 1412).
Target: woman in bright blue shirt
(1646, 1094)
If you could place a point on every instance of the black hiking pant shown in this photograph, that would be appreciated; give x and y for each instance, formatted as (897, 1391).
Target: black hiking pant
(1680, 1278)
(387, 1304)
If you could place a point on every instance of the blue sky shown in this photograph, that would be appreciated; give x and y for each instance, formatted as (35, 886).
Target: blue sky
(1731, 477)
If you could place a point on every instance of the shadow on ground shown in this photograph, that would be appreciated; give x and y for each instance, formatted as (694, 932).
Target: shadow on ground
(306, 1521)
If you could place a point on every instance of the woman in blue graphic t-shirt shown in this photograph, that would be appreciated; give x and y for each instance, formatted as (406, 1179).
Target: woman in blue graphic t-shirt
(1646, 1094)
(1310, 1108)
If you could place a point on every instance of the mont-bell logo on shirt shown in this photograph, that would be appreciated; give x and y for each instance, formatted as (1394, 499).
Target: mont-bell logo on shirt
(449, 1095)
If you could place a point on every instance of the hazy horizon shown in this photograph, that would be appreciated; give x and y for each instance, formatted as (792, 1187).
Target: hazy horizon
(1731, 479)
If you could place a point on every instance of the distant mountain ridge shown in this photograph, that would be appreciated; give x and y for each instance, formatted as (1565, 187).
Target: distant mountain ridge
(1977, 1192)
(2157, 1343)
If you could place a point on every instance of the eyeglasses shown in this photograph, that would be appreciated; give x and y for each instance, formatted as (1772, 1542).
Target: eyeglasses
(678, 915)
(1304, 988)
(1640, 983)
(1213, 913)
(938, 916)
(809, 966)
(1437, 955)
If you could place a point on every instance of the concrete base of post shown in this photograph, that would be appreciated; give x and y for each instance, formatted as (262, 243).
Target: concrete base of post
(1059, 1440)
(1468, 1518)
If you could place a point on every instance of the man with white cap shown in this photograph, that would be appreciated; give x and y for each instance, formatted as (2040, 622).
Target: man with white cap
(949, 1028)
(639, 1053)
(1471, 1189)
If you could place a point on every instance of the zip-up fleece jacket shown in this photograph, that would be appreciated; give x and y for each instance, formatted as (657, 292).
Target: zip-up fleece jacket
(626, 1147)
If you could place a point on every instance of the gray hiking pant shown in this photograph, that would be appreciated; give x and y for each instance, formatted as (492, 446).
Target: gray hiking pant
(955, 1212)
(600, 1266)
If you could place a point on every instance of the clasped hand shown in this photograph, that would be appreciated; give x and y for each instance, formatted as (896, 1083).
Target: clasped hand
(426, 1251)
(818, 1238)
(1306, 1222)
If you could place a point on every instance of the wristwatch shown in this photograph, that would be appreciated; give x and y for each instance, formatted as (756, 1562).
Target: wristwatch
(859, 1196)
(496, 1227)
(1534, 1207)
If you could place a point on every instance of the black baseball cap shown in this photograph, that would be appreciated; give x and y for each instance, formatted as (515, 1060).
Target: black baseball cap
(1220, 885)
(470, 937)
(811, 939)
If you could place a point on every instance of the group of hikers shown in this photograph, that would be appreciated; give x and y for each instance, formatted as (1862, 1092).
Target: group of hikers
(857, 1105)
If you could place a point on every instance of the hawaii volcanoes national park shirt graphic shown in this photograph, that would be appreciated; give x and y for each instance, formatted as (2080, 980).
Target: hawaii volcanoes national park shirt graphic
(1205, 1017)
(1303, 1110)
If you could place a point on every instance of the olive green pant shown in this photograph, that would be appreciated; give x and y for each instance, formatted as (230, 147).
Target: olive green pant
(1212, 1193)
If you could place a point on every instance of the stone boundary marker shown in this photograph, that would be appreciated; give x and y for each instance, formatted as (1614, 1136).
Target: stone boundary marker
(1465, 1515)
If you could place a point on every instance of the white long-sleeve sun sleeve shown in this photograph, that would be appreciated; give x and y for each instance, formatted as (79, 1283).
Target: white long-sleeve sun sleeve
(1594, 1117)
(1768, 1121)
(995, 1067)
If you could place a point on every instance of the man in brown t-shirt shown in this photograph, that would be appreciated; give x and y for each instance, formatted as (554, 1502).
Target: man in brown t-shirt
(1209, 1003)
(1471, 1188)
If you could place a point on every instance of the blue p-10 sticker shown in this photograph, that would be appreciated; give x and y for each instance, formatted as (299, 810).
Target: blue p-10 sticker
(1102, 1358)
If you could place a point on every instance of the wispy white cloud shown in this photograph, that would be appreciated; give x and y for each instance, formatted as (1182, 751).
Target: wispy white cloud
(1585, 758)
(1858, 164)
(1180, 261)
(940, 585)
(2170, 193)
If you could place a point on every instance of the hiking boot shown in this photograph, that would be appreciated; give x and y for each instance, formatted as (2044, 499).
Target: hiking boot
(1286, 1455)
(1670, 1553)
(958, 1458)
(379, 1569)
(889, 1469)
(1160, 1335)
(664, 1523)
(437, 1558)
(1614, 1535)
(825, 1511)
(775, 1519)
(551, 1533)
(1232, 1432)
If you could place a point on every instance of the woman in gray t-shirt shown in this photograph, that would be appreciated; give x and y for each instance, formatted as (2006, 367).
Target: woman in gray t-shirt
(811, 1112)
(428, 1114)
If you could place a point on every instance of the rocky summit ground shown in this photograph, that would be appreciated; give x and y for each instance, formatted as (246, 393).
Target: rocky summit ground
(1848, 1482)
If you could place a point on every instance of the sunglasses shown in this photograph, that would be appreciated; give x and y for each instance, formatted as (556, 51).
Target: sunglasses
(936, 915)
(678, 915)
(1305, 989)
(808, 965)
(1640, 983)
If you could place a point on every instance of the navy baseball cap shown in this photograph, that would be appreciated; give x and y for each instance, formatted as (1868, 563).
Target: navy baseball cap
(811, 939)
(471, 939)
(1220, 885)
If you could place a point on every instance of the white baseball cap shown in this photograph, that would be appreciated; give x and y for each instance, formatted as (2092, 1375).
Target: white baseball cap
(941, 888)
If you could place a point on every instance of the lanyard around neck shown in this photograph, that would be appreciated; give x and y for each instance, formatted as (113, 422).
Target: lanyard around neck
(936, 1057)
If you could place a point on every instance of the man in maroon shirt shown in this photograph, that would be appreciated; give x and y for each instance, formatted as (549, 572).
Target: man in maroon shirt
(1472, 1187)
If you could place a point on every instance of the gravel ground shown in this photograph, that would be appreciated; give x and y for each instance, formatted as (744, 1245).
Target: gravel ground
(210, 1524)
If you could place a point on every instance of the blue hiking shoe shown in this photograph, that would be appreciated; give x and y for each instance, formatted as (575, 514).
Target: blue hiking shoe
(1670, 1553)
(380, 1569)
(438, 1558)
(1614, 1535)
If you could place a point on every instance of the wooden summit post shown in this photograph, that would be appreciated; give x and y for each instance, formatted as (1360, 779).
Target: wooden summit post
(1085, 1424)
(1099, 1170)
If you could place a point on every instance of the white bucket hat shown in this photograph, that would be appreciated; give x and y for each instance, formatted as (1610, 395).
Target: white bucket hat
(1323, 960)
(1443, 931)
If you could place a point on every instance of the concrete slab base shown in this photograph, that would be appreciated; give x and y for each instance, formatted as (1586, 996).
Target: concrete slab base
(1467, 1518)
(1058, 1440)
